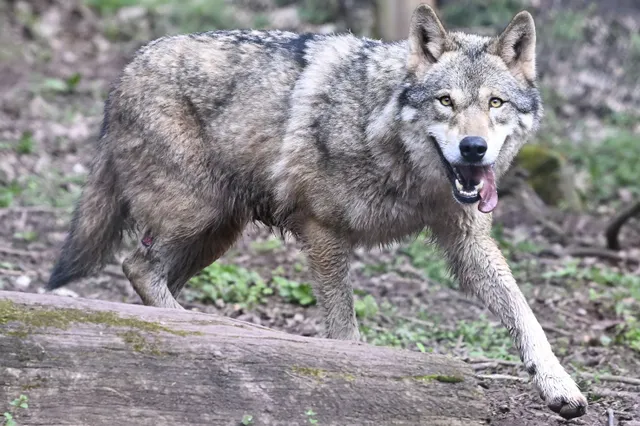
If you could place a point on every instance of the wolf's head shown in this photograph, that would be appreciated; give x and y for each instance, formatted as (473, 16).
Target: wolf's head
(471, 99)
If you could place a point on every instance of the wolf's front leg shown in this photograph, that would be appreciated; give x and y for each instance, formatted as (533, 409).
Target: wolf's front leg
(482, 270)
(328, 256)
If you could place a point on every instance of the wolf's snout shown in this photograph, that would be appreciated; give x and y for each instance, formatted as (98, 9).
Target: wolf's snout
(473, 148)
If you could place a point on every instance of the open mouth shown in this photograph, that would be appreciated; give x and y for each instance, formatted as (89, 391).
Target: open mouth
(472, 183)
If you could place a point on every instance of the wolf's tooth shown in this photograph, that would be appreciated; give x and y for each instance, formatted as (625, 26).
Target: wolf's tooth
(480, 185)
(459, 186)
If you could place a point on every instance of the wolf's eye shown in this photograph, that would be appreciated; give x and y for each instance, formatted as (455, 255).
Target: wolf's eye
(495, 102)
(446, 101)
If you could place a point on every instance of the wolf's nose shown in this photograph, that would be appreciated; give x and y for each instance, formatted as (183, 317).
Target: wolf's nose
(473, 148)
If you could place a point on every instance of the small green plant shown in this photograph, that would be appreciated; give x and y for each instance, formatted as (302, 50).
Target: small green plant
(61, 86)
(20, 403)
(27, 236)
(25, 144)
(247, 420)
(294, 292)
(311, 416)
(629, 334)
(229, 283)
(8, 419)
(366, 307)
(8, 193)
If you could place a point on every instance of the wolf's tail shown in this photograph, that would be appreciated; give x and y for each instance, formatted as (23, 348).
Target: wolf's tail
(97, 226)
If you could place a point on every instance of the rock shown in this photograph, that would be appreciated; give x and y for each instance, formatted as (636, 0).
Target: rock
(79, 169)
(550, 175)
(65, 292)
(23, 281)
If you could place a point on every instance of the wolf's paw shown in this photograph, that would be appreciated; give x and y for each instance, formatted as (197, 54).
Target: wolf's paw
(562, 395)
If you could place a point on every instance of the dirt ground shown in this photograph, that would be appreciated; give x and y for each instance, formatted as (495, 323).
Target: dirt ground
(56, 65)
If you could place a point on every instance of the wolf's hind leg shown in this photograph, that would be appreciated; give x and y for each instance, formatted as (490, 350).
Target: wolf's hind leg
(202, 252)
(328, 256)
(147, 270)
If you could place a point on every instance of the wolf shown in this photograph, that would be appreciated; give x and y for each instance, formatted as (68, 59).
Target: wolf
(340, 141)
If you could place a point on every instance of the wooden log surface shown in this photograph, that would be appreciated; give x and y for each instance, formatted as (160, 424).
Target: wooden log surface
(91, 362)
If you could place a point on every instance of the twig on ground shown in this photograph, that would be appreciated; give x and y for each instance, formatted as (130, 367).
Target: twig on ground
(633, 396)
(602, 253)
(31, 209)
(611, 378)
(480, 363)
(572, 315)
(484, 365)
(502, 362)
(611, 418)
(13, 272)
(506, 377)
(548, 327)
(20, 253)
(595, 252)
(613, 228)
(415, 320)
(533, 203)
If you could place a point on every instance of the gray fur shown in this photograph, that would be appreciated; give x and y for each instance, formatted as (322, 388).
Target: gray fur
(338, 140)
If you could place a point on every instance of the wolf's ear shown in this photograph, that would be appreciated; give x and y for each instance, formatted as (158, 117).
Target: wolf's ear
(426, 39)
(517, 46)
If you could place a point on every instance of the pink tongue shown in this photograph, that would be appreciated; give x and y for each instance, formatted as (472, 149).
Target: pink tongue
(489, 192)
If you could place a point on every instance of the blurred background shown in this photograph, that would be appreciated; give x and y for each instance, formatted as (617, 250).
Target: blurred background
(568, 218)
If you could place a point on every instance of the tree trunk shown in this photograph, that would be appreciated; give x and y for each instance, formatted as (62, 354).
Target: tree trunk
(91, 362)
(394, 17)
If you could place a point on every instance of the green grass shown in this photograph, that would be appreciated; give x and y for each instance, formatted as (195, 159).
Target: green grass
(269, 245)
(568, 25)
(611, 164)
(185, 16)
(480, 13)
(477, 338)
(52, 189)
(319, 12)
(260, 21)
(615, 293)
(426, 257)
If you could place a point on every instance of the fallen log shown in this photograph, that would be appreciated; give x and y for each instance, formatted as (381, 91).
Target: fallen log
(91, 362)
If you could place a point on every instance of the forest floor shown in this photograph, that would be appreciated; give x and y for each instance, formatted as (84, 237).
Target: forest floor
(56, 66)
